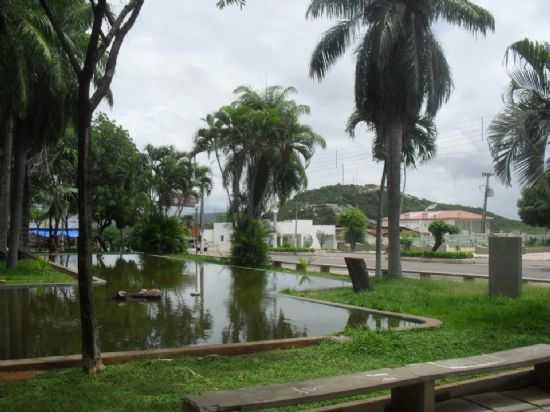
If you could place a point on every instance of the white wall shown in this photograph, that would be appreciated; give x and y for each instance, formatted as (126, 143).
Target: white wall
(219, 237)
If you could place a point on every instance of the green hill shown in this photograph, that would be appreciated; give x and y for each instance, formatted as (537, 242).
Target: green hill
(322, 205)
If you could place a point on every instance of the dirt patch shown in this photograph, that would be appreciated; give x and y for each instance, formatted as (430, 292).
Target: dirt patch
(11, 377)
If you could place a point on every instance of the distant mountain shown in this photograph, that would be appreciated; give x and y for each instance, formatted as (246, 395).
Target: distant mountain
(322, 205)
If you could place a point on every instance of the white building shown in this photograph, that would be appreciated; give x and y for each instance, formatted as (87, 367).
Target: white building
(467, 222)
(308, 235)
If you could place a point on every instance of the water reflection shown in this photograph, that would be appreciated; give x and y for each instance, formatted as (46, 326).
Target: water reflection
(200, 304)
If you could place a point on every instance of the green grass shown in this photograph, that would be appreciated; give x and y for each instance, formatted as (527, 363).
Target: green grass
(30, 271)
(291, 249)
(437, 255)
(472, 324)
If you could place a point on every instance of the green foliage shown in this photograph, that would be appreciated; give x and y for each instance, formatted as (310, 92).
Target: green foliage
(32, 271)
(439, 229)
(291, 249)
(117, 175)
(356, 224)
(437, 255)
(406, 243)
(519, 137)
(264, 146)
(303, 265)
(534, 205)
(249, 244)
(159, 234)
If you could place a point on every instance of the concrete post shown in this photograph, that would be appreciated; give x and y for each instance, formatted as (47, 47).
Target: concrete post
(505, 266)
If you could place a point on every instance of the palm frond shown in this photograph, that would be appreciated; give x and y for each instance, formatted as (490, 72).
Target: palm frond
(466, 14)
(332, 46)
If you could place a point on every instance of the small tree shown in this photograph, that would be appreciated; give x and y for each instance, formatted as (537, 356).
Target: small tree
(439, 229)
(534, 205)
(323, 238)
(356, 223)
(249, 244)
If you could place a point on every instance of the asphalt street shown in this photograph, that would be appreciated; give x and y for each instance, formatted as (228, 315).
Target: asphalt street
(479, 266)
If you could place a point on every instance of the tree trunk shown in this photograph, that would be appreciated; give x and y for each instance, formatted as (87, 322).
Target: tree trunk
(395, 144)
(18, 190)
(27, 204)
(5, 183)
(379, 223)
(91, 355)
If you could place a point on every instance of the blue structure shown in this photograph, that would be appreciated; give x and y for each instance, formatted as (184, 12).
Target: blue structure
(45, 233)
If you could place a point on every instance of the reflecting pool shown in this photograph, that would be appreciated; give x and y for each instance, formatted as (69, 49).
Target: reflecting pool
(200, 304)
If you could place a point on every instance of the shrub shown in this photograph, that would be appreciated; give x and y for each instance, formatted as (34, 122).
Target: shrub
(290, 249)
(406, 243)
(159, 234)
(438, 255)
(249, 246)
(302, 265)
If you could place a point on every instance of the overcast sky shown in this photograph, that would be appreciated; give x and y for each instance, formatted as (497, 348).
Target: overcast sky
(184, 58)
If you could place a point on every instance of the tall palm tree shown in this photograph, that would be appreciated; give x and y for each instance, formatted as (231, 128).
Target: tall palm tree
(400, 69)
(418, 147)
(519, 137)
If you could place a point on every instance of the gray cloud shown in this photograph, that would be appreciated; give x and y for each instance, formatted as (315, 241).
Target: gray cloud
(183, 61)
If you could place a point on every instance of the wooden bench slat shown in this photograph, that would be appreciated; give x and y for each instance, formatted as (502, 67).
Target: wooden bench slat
(360, 383)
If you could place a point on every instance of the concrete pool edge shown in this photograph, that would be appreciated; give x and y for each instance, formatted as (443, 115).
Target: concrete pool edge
(420, 322)
(231, 349)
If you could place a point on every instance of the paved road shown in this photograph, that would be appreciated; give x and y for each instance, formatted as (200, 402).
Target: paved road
(531, 268)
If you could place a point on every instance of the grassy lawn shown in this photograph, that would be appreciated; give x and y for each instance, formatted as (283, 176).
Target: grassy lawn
(473, 324)
(30, 271)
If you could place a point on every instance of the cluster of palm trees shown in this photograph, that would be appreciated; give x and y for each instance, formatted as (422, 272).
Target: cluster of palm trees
(261, 147)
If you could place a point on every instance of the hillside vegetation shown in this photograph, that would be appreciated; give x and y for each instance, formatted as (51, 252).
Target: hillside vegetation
(322, 205)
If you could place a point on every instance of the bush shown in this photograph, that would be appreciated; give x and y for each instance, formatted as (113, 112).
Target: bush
(437, 255)
(302, 265)
(290, 249)
(159, 234)
(406, 243)
(249, 244)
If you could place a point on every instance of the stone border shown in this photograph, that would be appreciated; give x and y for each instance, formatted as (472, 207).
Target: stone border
(233, 349)
(420, 321)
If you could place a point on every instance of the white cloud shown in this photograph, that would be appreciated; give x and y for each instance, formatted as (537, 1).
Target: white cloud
(182, 61)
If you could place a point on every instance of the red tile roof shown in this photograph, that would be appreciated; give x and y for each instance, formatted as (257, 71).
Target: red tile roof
(442, 215)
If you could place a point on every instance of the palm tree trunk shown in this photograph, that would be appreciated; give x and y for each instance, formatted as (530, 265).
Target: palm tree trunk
(18, 190)
(27, 204)
(395, 143)
(5, 183)
(91, 355)
(379, 223)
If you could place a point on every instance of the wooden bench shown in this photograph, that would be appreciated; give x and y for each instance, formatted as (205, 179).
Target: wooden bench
(412, 387)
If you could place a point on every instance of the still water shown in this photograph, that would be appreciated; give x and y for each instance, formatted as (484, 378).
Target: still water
(200, 304)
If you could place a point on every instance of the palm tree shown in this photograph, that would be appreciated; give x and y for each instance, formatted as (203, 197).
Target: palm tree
(264, 146)
(400, 69)
(519, 136)
(418, 147)
(34, 92)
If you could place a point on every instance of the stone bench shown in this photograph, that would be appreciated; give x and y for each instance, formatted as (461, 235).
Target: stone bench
(412, 387)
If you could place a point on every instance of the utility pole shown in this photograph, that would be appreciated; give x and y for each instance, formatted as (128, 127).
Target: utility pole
(296, 227)
(487, 176)
(343, 174)
(202, 220)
